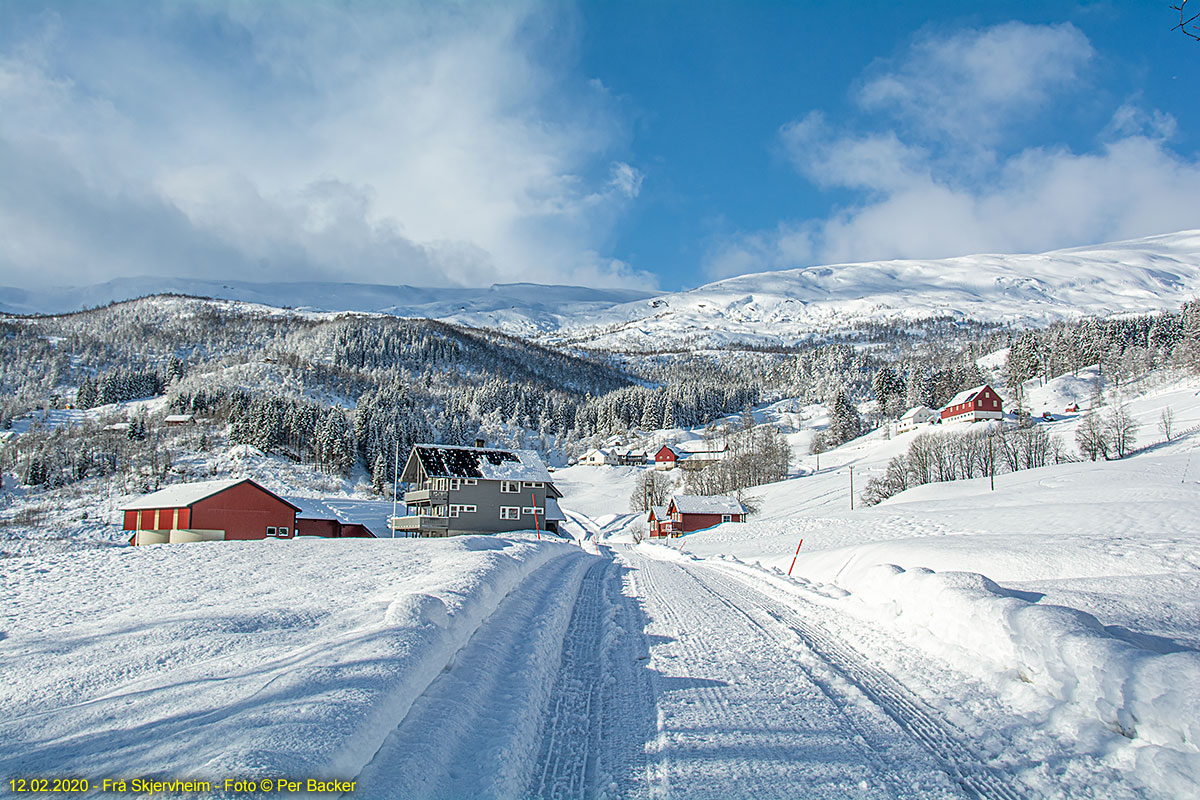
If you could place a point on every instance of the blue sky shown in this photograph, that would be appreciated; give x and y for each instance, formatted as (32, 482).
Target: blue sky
(646, 144)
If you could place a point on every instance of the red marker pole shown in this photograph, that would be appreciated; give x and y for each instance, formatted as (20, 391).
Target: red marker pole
(795, 557)
(536, 527)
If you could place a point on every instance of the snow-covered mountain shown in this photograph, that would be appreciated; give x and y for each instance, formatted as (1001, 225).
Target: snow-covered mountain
(529, 301)
(767, 308)
(1141, 275)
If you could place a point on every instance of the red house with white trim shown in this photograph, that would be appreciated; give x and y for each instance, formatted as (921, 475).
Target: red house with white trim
(658, 522)
(665, 458)
(694, 512)
(973, 405)
(209, 511)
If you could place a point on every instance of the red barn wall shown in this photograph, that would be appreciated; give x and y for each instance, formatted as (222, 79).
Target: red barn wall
(243, 512)
(317, 527)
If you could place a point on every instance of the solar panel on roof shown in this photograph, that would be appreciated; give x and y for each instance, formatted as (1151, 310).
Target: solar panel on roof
(459, 462)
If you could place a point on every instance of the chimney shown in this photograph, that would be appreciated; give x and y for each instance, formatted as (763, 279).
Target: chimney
(479, 443)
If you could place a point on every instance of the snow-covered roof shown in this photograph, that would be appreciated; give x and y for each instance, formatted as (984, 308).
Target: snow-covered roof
(966, 395)
(917, 411)
(659, 512)
(697, 447)
(179, 418)
(553, 512)
(698, 504)
(371, 514)
(185, 494)
(447, 461)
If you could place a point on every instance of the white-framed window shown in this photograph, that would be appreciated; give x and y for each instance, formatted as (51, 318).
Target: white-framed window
(533, 484)
(510, 512)
(510, 487)
(470, 481)
(454, 484)
(531, 510)
(271, 530)
(283, 532)
(726, 518)
(468, 509)
(454, 510)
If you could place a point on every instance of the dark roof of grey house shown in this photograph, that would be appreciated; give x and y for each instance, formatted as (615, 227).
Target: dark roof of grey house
(446, 461)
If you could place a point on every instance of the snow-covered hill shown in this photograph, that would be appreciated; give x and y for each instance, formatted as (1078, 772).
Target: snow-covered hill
(769, 308)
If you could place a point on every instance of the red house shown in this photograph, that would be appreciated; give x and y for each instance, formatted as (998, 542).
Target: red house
(210, 510)
(973, 405)
(658, 521)
(665, 458)
(693, 512)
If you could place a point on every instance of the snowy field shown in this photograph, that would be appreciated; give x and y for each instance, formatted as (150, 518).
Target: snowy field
(284, 658)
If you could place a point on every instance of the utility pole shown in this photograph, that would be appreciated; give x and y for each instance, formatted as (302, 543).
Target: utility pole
(991, 460)
(395, 488)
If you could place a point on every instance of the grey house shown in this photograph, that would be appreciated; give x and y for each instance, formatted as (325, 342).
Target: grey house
(457, 490)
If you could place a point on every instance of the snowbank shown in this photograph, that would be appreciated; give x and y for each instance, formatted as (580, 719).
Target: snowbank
(1150, 698)
(237, 658)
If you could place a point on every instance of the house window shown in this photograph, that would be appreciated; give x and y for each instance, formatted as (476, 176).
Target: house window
(510, 487)
(468, 509)
(531, 510)
(470, 481)
(995, 404)
(283, 532)
(510, 512)
(454, 484)
(270, 530)
(533, 484)
(726, 518)
(454, 510)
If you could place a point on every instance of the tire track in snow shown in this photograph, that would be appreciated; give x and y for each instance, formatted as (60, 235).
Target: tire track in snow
(949, 745)
(740, 715)
(601, 709)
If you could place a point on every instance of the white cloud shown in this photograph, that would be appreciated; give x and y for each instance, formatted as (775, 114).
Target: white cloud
(969, 85)
(942, 184)
(415, 143)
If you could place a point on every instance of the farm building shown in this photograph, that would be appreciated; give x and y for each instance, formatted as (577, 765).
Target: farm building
(210, 510)
(694, 512)
(175, 420)
(333, 519)
(914, 418)
(973, 405)
(459, 490)
(688, 455)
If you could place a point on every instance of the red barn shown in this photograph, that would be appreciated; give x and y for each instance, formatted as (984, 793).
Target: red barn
(975, 404)
(665, 458)
(693, 512)
(210, 510)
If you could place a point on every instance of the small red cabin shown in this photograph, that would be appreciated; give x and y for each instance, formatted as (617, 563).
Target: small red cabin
(975, 404)
(693, 512)
(210, 510)
(319, 518)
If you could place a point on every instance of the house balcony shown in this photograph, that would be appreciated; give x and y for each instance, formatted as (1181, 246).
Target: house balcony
(421, 525)
(426, 497)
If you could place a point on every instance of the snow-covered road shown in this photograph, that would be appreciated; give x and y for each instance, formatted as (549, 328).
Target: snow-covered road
(677, 678)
